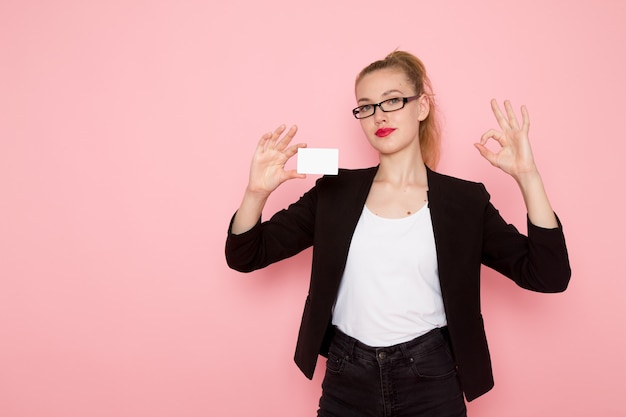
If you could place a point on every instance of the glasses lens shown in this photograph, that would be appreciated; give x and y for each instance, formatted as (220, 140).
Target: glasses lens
(392, 104)
(363, 111)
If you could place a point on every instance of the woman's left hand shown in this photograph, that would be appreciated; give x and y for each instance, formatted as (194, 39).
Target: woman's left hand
(515, 156)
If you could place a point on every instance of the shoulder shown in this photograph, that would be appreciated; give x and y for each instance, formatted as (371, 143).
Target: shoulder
(346, 177)
(450, 180)
(456, 187)
(348, 186)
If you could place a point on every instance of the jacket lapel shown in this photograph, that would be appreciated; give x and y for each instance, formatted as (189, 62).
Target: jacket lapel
(443, 227)
(344, 205)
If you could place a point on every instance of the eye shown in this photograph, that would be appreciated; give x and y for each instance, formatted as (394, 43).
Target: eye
(393, 101)
(365, 109)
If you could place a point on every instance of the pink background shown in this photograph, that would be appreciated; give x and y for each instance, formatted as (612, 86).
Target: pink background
(126, 130)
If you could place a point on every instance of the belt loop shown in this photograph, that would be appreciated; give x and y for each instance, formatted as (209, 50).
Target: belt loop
(351, 346)
(405, 352)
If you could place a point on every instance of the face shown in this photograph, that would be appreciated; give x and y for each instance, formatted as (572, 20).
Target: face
(395, 131)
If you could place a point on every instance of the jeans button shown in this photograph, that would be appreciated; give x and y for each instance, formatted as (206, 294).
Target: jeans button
(382, 355)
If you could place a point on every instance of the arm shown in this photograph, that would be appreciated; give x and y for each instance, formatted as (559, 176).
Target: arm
(285, 234)
(516, 159)
(251, 244)
(537, 262)
(267, 172)
(540, 261)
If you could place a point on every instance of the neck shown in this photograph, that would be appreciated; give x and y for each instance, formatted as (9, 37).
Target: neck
(402, 169)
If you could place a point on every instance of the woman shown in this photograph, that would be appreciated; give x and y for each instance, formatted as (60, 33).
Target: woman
(394, 296)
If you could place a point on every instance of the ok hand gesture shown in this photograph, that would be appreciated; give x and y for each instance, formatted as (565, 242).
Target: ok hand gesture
(515, 155)
(516, 159)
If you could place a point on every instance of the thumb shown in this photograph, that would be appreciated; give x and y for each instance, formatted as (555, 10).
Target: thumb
(487, 154)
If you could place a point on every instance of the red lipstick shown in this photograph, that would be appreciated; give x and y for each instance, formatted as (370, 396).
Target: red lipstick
(381, 133)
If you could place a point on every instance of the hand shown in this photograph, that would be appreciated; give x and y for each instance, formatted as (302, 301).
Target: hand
(267, 170)
(515, 155)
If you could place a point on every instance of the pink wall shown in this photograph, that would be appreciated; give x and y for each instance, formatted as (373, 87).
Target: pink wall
(126, 130)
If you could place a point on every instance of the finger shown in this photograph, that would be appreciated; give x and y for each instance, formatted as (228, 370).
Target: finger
(285, 140)
(490, 156)
(493, 134)
(278, 131)
(276, 134)
(292, 150)
(293, 174)
(504, 124)
(525, 119)
(264, 138)
(511, 114)
(262, 145)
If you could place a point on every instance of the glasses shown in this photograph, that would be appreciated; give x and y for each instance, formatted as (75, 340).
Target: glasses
(391, 104)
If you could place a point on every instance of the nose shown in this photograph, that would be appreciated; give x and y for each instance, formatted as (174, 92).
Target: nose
(379, 115)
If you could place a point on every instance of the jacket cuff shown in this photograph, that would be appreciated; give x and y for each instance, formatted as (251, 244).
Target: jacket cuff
(538, 231)
(255, 230)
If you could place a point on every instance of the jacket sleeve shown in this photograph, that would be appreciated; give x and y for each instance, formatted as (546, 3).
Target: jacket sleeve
(538, 262)
(287, 233)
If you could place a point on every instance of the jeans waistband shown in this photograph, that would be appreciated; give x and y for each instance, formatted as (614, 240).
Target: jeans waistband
(424, 343)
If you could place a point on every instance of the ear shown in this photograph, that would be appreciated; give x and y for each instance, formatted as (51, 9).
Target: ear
(423, 106)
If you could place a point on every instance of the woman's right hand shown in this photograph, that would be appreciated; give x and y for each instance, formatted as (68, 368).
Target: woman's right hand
(267, 170)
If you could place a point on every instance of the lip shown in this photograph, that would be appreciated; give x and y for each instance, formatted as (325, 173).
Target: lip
(381, 133)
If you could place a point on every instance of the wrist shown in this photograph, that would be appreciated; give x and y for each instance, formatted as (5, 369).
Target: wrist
(528, 178)
(256, 195)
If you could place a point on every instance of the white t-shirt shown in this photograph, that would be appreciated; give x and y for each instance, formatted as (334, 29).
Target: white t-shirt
(390, 290)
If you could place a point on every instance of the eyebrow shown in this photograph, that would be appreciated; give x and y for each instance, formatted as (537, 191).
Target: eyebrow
(386, 93)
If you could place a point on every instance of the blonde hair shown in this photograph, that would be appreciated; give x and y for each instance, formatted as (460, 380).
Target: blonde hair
(415, 71)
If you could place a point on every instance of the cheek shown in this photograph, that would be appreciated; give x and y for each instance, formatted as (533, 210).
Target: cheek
(411, 120)
(368, 128)
(366, 124)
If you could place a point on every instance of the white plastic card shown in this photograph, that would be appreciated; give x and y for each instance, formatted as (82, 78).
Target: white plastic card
(323, 161)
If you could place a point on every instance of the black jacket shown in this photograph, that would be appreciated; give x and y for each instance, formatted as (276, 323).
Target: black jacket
(468, 231)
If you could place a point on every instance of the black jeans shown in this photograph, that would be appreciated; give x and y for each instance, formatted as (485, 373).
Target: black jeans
(416, 378)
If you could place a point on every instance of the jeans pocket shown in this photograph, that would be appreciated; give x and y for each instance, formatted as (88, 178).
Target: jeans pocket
(335, 362)
(434, 364)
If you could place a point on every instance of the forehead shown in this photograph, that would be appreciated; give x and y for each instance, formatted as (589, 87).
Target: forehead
(375, 84)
